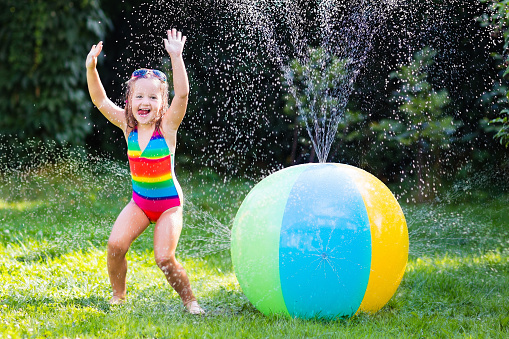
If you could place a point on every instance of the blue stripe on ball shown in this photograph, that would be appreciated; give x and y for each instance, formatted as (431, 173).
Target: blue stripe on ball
(325, 245)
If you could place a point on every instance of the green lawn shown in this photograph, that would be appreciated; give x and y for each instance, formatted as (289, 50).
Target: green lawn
(55, 221)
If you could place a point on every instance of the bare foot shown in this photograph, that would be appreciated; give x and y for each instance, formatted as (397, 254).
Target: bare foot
(194, 308)
(116, 301)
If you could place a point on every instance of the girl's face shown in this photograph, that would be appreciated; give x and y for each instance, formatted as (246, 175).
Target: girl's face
(146, 100)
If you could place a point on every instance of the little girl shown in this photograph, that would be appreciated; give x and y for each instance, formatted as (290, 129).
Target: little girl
(150, 128)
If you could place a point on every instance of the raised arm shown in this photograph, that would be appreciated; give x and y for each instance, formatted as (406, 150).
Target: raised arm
(111, 111)
(174, 45)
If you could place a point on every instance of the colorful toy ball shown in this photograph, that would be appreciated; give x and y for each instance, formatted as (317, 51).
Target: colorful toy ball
(319, 241)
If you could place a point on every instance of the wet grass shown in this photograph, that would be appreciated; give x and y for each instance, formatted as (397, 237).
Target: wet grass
(55, 221)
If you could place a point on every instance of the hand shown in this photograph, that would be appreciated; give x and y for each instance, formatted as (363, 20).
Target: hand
(174, 45)
(93, 54)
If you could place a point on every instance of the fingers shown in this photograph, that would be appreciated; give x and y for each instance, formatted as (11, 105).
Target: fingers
(93, 54)
(174, 44)
(173, 34)
(96, 49)
(99, 48)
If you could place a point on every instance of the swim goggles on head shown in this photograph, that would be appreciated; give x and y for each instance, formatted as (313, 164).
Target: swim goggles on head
(143, 72)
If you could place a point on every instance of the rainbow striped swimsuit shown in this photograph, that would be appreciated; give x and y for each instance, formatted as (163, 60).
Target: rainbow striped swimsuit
(154, 190)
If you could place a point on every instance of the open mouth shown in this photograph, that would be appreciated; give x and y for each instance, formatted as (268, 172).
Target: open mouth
(143, 112)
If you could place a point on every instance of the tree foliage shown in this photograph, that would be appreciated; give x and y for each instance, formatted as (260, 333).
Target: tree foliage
(421, 120)
(238, 117)
(421, 124)
(43, 45)
(498, 19)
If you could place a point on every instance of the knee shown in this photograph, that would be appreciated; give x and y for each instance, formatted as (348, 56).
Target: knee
(167, 263)
(116, 248)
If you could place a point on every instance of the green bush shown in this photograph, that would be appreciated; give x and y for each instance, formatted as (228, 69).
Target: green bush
(43, 45)
(421, 108)
(498, 19)
(421, 125)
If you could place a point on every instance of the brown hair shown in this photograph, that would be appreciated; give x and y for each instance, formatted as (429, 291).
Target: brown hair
(131, 121)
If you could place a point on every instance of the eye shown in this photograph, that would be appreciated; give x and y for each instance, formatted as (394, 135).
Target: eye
(153, 97)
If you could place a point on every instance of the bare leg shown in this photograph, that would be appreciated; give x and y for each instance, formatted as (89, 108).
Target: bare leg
(166, 237)
(130, 223)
